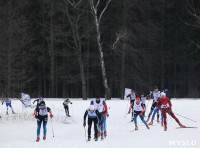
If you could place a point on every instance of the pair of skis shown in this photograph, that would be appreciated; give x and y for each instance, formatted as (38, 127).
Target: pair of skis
(87, 140)
(176, 128)
(186, 127)
(94, 139)
(14, 113)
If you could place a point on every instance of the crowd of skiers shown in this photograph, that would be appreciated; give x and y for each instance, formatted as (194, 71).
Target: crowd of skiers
(98, 112)
(160, 103)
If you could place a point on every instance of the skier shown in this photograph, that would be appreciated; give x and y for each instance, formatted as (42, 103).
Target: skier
(93, 116)
(38, 101)
(132, 96)
(143, 100)
(139, 109)
(65, 104)
(154, 113)
(132, 100)
(165, 104)
(103, 118)
(101, 106)
(8, 104)
(41, 114)
(156, 96)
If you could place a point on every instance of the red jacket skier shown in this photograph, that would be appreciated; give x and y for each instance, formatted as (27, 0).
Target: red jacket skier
(165, 104)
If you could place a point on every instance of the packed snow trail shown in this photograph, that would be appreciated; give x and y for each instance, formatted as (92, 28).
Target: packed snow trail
(19, 130)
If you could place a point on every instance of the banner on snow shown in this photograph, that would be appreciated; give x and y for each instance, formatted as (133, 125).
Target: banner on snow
(26, 100)
(127, 92)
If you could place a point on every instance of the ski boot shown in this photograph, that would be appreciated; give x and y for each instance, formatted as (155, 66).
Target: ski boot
(151, 123)
(68, 116)
(89, 138)
(96, 138)
(136, 127)
(165, 128)
(147, 119)
(132, 119)
(161, 123)
(38, 139)
(158, 119)
(99, 133)
(147, 127)
(44, 138)
(105, 134)
(101, 136)
(13, 112)
(6, 112)
(181, 125)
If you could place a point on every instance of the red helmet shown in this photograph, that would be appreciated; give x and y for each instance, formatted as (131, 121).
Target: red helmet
(137, 99)
(132, 91)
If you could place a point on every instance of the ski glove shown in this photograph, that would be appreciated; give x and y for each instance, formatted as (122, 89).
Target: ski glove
(71, 103)
(35, 116)
(51, 116)
(107, 115)
(84, 124)
(169, 109)
(104, 115)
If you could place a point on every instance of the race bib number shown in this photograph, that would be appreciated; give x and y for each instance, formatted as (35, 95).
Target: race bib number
(43, 112)
(165, 106)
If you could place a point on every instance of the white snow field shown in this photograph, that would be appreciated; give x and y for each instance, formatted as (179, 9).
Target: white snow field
(19, 130)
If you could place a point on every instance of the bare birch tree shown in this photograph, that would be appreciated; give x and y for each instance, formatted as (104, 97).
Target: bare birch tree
(97, 21)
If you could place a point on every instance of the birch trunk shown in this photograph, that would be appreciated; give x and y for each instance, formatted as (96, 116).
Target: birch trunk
(97, 25)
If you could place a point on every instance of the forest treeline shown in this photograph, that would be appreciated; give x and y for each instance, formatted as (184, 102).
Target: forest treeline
(56, 48)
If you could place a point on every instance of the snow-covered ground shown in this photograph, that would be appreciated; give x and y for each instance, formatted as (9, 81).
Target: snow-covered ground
(19, 130)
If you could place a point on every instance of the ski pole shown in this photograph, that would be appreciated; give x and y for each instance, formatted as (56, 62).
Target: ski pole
(185, 117)
(126, 109)
(52, 127)
(85, 133)
(148, 103)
